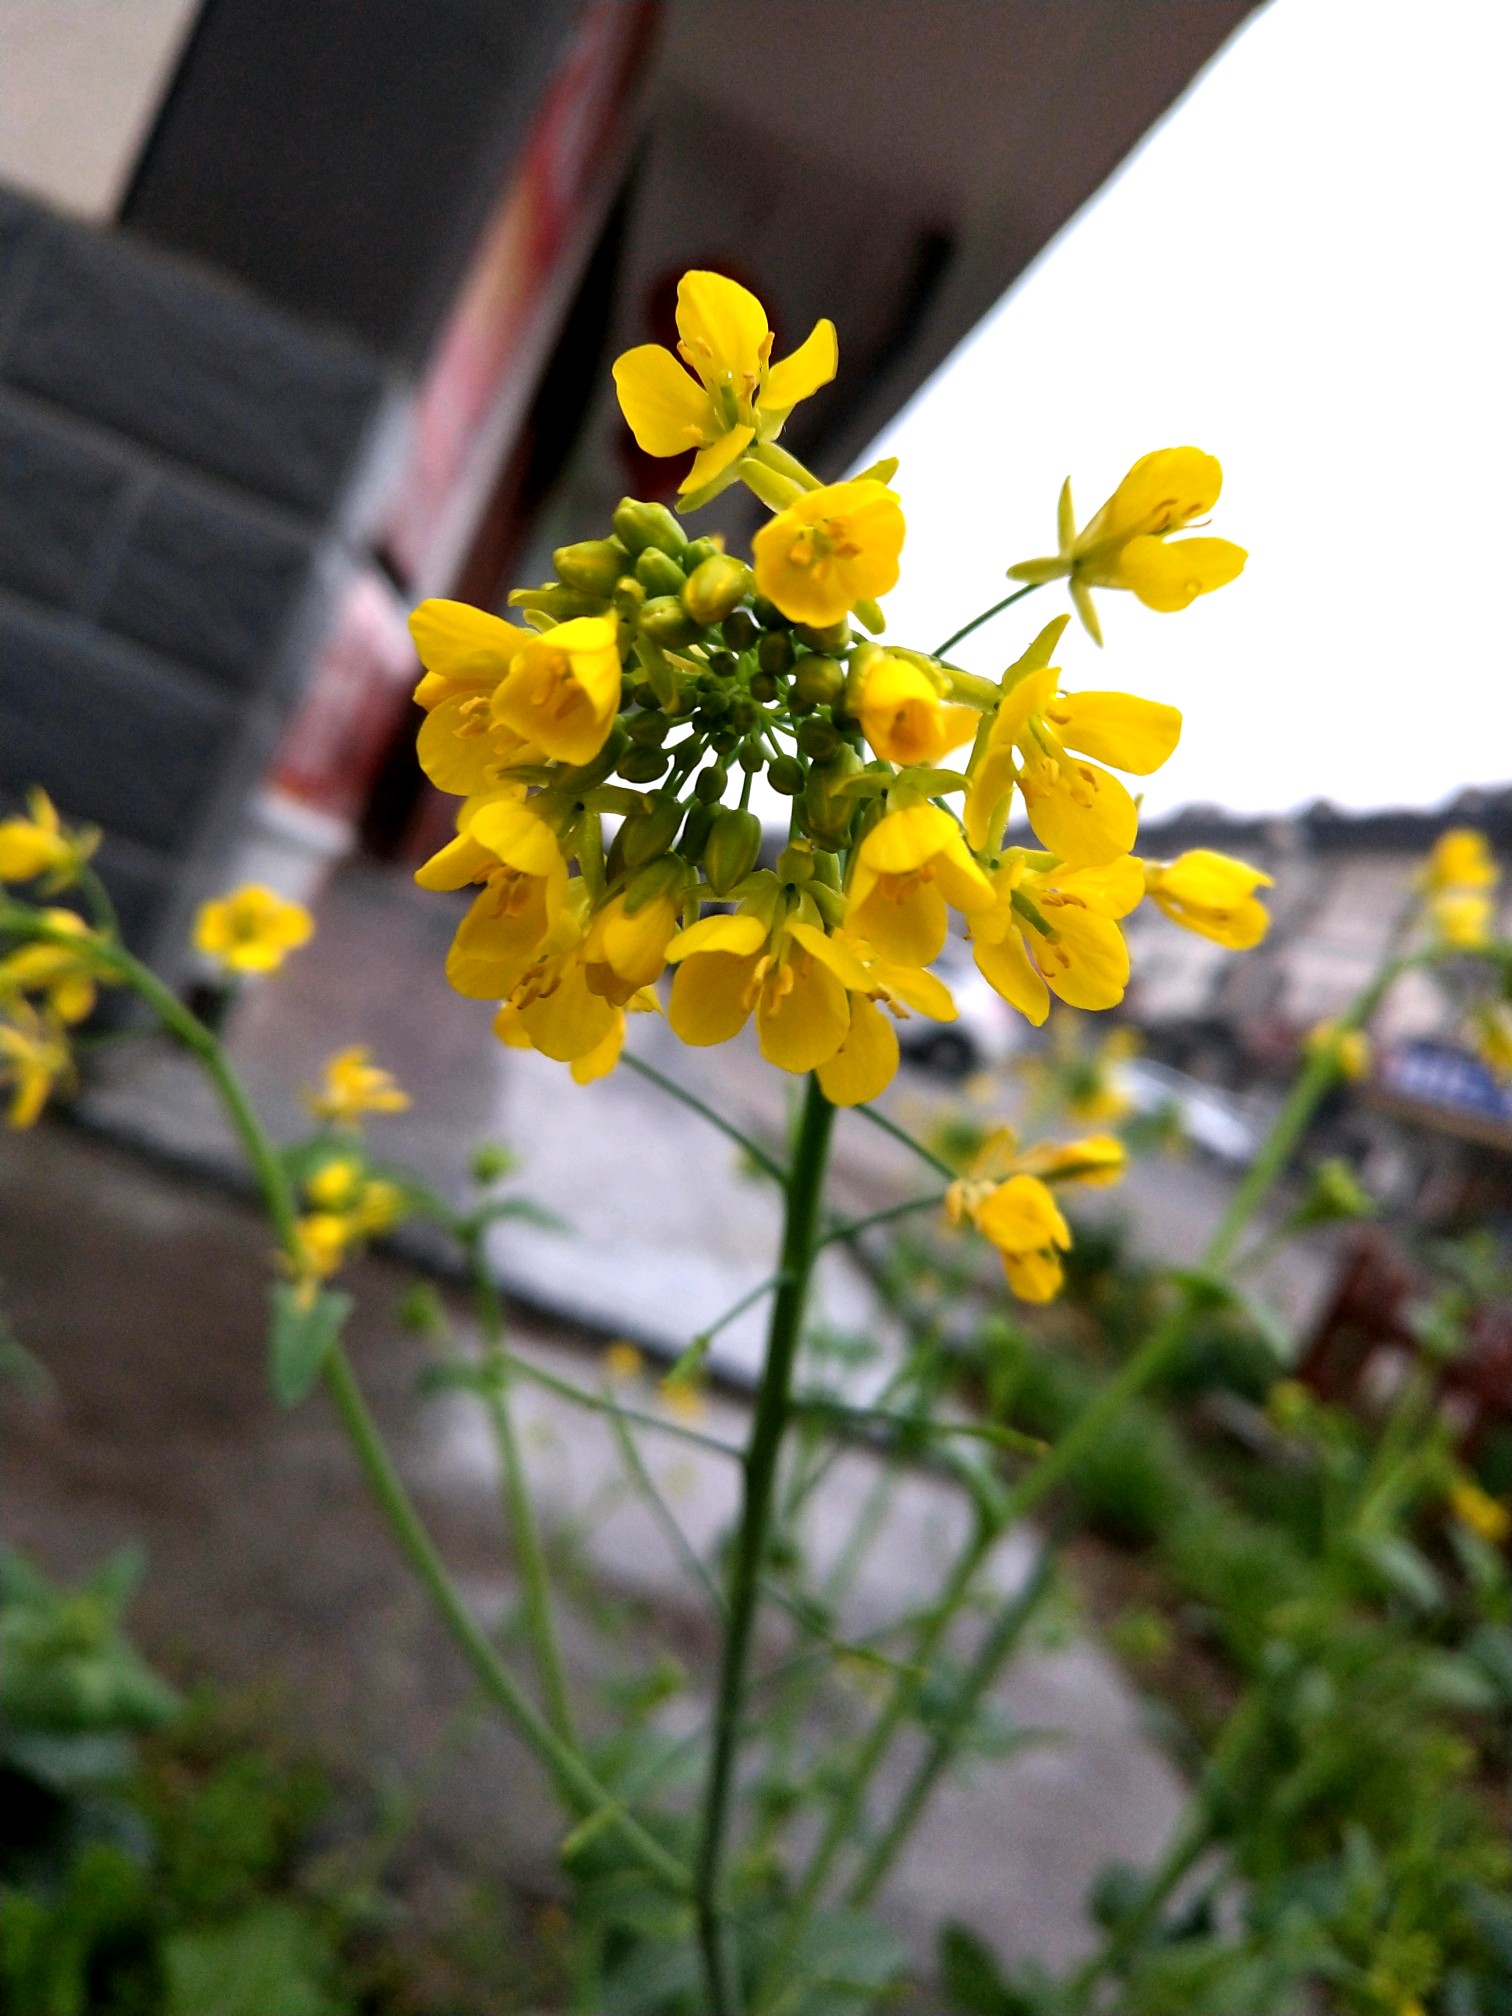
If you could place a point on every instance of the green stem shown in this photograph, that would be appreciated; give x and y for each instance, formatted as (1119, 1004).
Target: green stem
(902, 1134)
(757, 1153)
(855, 1226)
(540, 1619)
(985, 617)
(659, 1509)
(595, 1403)
(805, 1187)
(1003, 1635)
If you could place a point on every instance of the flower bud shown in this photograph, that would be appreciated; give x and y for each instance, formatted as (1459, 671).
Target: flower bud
(666, 621)
(818, 680)
(751, 754)
(695, 832)
(662, 877)
(643, 766)
(722, 664)
(740, 631)
(767, 614)
(709, 785)
(646, 835)
(714, 589)
(638, 526)
(731, 851)
(774, 653)
(553, 598)
(827, 808)
(833, 637)
(658, 573)
(818, 738)
(648, 729)
(786, 775)
(763, 686)
(593, 565)
(697, 551)
(796, 863)
(629, 598)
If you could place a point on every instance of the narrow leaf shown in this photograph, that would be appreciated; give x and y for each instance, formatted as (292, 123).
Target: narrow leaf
(301, 1338)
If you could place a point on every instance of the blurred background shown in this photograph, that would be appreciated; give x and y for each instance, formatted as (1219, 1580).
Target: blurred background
(307, 312)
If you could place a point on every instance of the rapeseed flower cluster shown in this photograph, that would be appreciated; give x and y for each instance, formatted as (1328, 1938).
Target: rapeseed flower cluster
(345, 1201)
(1458, 881)
(657, 675)
(47, 984)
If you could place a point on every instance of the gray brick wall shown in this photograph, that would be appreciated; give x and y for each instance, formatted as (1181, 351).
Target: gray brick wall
(178, 465)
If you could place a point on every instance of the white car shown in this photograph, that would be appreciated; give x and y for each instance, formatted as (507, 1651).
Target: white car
(986, 1031)
(1210, 1117)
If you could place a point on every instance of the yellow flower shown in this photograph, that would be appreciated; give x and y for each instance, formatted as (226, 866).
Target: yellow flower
(351, 1086)
(1461, 859)
(729, 966)
(830, 550)
(1024, 1222)
(625, 949)
(1077, 809)
(1211, 894)
(251, 929)
(910, 865)
(904, 718)
(1350, 1048)
(466, 652)
(1477, 1509)
(335, 1184)
(1491, 1034)
(34, 1057)
(1462, 918)
(42, 845)
(736, 396)
(321, 1239)
(683, 1400)
(63, 973)
(1052, 929)
(562, 689)
(1095, 1161)
(1127, 544)
(551, 1007)
(507, 846)
(622, 1361)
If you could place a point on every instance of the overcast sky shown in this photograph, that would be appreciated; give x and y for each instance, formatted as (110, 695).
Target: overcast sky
(1303, 270)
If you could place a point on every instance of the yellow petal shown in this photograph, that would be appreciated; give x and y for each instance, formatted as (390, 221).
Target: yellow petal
(866, 1062)
(1034, 1277)
(518, 836)
(667, 411)
(1113, 890)
(917, 989)
(712, 993)
(802, 1027)
(840, 959)
(1161, 493)
(456, 745)
(741, 934)
(562, 690)
(1006, 966)
(724, 331)
(1087, 962)
(811, 365)
(459, 862)
(1117, 728)
(493, 947)
(461, 642)
(1085, 815)
(904, 918)
(601, 1060)
(711, 462)
(571, 1021)
(1168, 574)
(1021, 1216)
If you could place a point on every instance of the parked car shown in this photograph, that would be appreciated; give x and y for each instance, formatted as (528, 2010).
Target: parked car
(1210, 1117)
(986, 1030)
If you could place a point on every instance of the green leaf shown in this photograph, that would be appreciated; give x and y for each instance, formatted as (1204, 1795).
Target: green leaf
(271, 1961)
(301, 1338)
(972, 1980)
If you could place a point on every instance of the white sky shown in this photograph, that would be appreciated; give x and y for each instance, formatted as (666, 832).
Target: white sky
(1303, 271)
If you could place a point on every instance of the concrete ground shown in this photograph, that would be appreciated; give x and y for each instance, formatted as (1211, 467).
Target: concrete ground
(143, 1295)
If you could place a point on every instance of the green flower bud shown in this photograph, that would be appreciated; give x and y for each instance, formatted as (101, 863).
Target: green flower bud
(714, 588)
(796, 862)
(774, 653)
(767, 614)
(648, 729)
(786, 775)
(697, 551)
(740, 630)
(492, 1162)
(818, 681)
(751, 753)
(695, 832)
(553, 599)
(658, 573)
(629, 598)
(662, 877)
(713, 705)
(731, 850)
(833, 638)
(643, 766)
(724, 741)
(665, 620)
(709, 785)
(742, 712)
(638, 526)
(723, 664)
(819, 738)
(646, 835)
(763, 686)
(594, 565)
(860, 663)
(645, 695)
(827, 809)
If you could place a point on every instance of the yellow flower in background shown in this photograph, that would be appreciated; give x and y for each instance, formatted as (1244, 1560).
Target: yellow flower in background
(622, 1361)
(252, 929)
(1211, 894)
(351, 1086)
(911, 864)
(903, 716)
(1127, 544)
(1474, 1507)
(34, 1058)
(64, 973)
(40, 844)
(735, 396)
(1006, 1195)
(321, 1239)
(1095, 1161)
(562, 689)
(1054, 930)
(830, 550)
(508, 847)
(1350, 1048)
(1462, 918)
(1461, 859)
(1077, 809)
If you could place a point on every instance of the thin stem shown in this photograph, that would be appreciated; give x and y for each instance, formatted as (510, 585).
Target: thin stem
(855, 1226)
(1003, 1635)
(754, 1149)
(804, 1188)
(660, 1510)
(597, 1404)
(540, 1620)
(985, 617)
(902, 1134)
